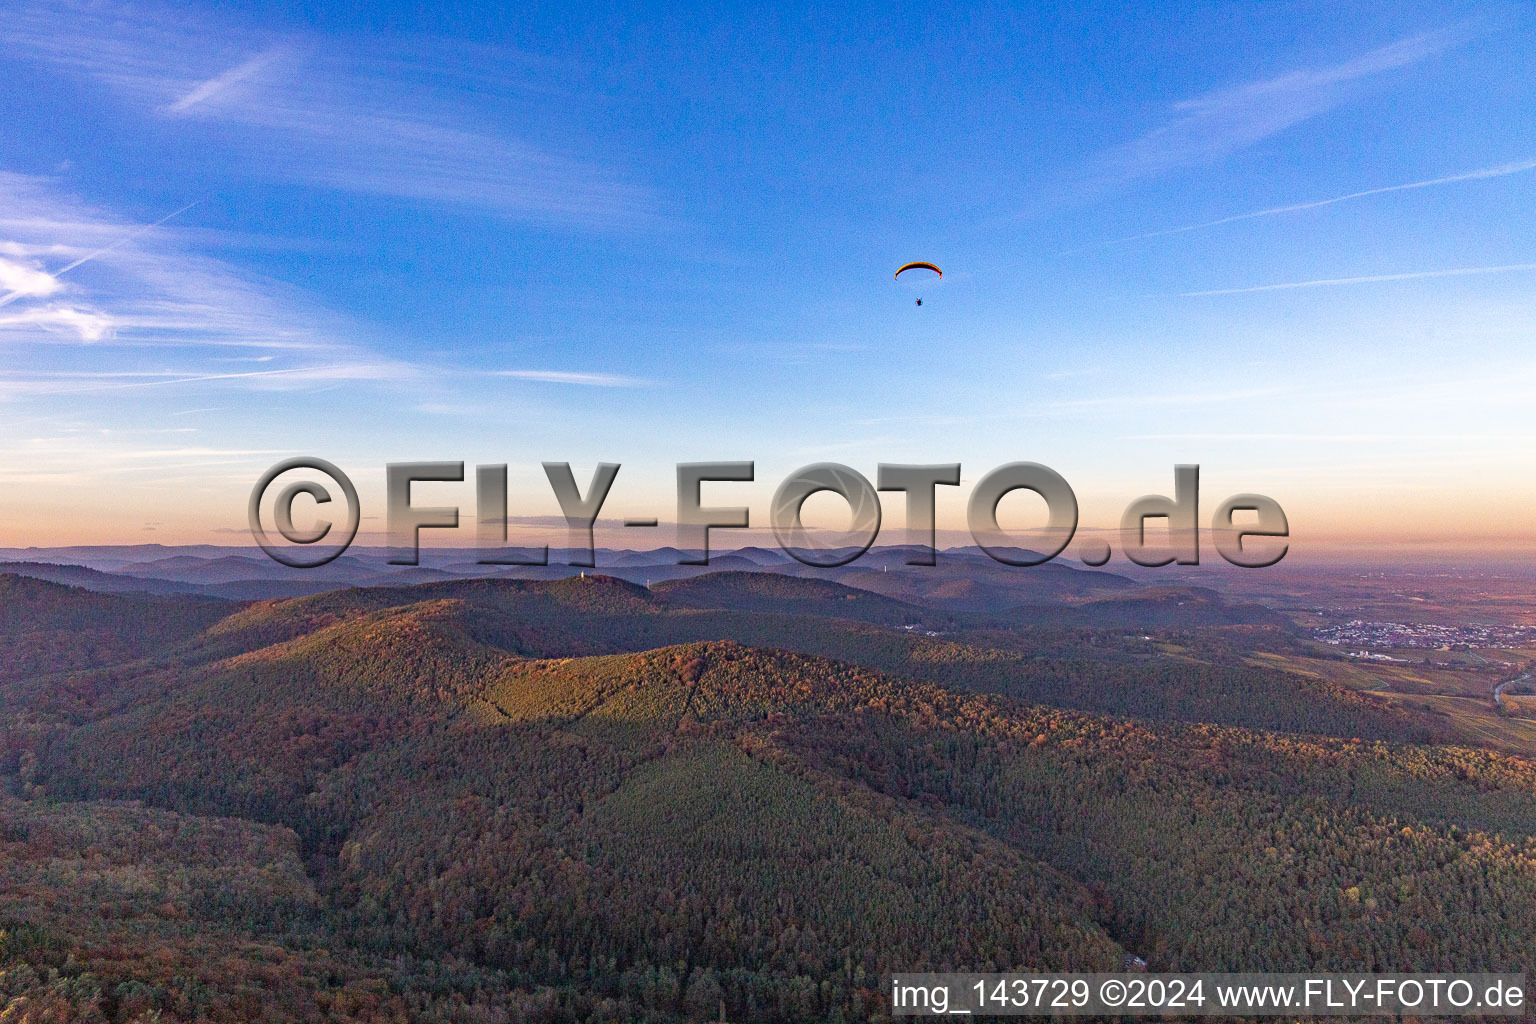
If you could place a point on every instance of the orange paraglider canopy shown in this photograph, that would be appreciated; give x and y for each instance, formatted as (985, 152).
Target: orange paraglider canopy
(919, 266)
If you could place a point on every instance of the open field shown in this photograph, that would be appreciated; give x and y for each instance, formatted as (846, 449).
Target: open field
(1462, 698)
(1474, 720)
(1359, 674)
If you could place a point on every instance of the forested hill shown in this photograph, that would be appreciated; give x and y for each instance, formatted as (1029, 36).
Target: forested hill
(46, 627)
(1091, 669)
(769, 592)
(577, 800)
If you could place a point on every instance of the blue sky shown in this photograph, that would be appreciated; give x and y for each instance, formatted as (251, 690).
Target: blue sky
(1213, 233)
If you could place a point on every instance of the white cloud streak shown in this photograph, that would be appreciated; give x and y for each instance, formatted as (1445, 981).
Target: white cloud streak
(79, 384)
(221, 83)
(1223, 121)
(1499, 171)
(595, 380)
(21, 280)
(1368, 279)
(292, 109)
(45, 283)
(135, 290)
(84, 324)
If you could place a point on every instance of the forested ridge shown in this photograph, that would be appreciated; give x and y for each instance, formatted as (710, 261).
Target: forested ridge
(585, 800)
(47, 628)
(1089, 669)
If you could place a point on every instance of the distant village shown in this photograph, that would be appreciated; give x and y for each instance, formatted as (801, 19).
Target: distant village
(1358, 633)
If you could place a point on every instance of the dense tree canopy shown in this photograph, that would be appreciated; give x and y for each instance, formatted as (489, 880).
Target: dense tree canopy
(580, 800)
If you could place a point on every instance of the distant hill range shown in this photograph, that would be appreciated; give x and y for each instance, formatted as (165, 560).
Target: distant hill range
(964, 580)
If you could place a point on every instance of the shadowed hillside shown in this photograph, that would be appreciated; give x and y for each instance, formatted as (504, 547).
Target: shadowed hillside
(49, 627)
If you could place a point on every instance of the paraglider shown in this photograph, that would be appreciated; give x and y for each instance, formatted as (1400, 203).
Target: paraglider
(918, 266)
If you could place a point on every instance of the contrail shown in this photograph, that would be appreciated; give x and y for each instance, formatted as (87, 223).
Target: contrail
(1415, 275)
(217, 84)
(13, 296)
(19, 384)
(1499, 171)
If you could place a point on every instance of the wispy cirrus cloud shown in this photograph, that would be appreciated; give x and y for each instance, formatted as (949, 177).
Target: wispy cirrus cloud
(69, 321)
(29, 281)
(1333, 282)
(221, 83)
(1213, 125)
(593, 380)
(19, 280)
(292, 109)
(81, 277)
(88, 457)
(1484, 174)
(107, 380)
